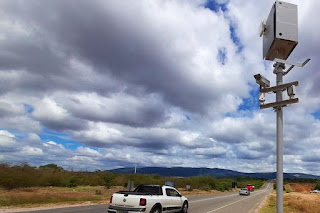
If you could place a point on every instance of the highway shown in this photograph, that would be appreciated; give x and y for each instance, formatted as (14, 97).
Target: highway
(220, 203)
(231, 202)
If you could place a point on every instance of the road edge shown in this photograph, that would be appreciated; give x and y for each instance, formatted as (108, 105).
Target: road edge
(12, 210)
(263, 203)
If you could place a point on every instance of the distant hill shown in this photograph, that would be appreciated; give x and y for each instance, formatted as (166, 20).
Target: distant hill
(191, 172)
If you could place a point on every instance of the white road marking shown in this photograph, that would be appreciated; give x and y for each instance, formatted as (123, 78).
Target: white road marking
(240, 200)
(194, 201)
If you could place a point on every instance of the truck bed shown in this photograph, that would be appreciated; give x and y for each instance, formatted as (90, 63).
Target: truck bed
(126, 193)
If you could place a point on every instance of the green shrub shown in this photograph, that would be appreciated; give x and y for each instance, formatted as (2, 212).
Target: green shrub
(108, 179)
(205, 187)
(51, 167)
(317, 186)
(70, 182)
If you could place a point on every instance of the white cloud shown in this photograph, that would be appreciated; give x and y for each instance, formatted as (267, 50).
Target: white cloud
(6, 133)
(146, 83)
(7, 141)
(33, 151)
(49, 109)
(14, 116)
(85, 151)
(210, 152)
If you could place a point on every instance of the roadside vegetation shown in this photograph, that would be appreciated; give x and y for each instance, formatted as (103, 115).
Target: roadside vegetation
(297, 197)
(23, 184)
(38, 196)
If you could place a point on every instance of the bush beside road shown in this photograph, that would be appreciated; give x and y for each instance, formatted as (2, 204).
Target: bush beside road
(21, 176)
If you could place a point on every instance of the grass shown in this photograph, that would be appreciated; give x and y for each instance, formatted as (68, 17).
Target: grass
(297, 199)
(36, 196)
(308, 203)
(270, 206)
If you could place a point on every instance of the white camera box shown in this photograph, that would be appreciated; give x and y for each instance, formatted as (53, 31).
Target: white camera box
(281, 33)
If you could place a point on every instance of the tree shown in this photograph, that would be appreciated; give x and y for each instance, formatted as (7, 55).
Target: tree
(317, 187)
(51, 166)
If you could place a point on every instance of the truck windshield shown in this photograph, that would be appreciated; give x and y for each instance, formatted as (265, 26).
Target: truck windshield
(149, 189)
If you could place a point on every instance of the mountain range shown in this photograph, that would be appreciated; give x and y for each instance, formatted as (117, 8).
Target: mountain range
(214, 172)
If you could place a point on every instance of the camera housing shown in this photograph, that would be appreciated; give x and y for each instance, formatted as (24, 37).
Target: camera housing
(280, 31)
(291, 91)
(262, 97)
(262, 81)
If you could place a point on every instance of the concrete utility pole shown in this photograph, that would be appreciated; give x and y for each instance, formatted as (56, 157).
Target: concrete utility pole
(280, 37)
(279, 72)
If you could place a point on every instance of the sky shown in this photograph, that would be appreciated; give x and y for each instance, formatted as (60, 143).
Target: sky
(105, 84)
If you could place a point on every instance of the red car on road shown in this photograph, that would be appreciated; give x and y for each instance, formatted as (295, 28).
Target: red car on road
(250, 187)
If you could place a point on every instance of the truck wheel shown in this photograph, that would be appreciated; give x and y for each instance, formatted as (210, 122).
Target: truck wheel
(156, 209)
(184, 207)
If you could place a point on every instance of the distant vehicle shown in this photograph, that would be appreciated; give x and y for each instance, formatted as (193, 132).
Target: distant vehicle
(250, 187)
(315, 191)
(244, 191)
(149, 199)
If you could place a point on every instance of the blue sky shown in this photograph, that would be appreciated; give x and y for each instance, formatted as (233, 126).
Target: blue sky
(148, 82)
(61, 138)
(316, 114)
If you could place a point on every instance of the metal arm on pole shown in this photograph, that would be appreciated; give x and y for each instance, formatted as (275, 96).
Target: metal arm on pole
(293, 64)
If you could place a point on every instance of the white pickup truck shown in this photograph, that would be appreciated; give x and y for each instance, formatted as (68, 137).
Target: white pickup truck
(149, 199)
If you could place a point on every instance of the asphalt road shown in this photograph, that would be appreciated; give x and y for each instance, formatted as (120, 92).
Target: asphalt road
(231, 202)
(220, 203)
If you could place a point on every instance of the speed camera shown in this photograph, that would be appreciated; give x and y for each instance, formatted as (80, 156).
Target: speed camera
(262, 81)
(280, 31)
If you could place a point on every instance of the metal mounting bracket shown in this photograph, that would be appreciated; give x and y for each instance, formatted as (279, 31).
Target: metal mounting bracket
(279, 87)
(280, 103)
(293, 64)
